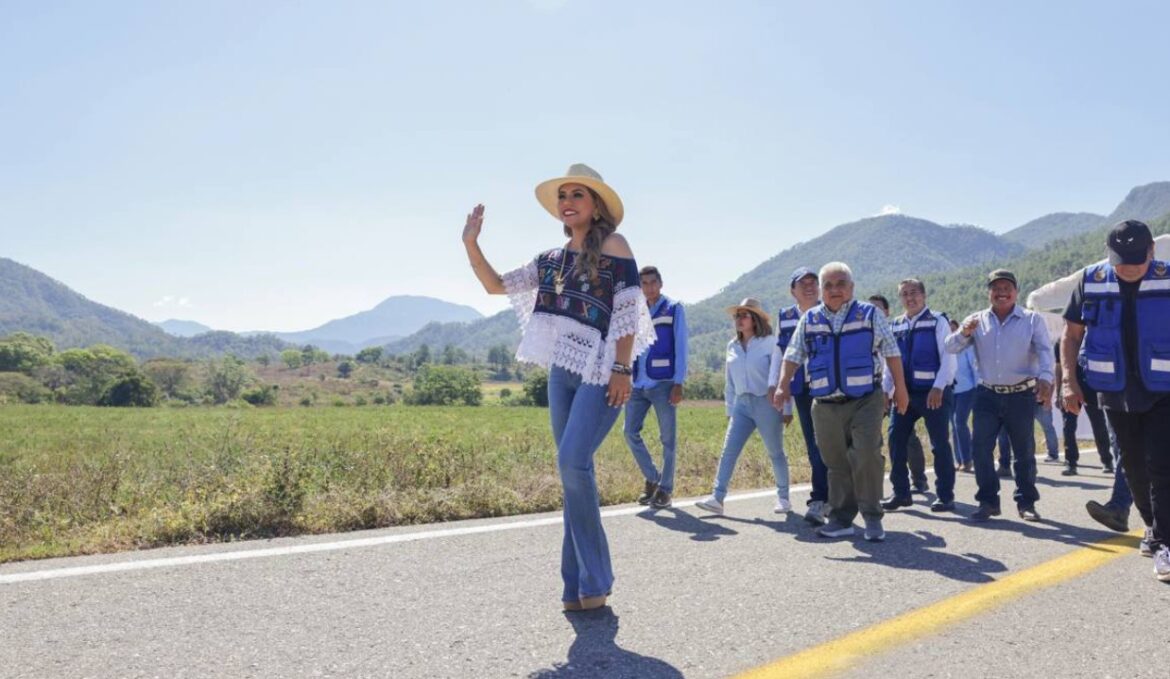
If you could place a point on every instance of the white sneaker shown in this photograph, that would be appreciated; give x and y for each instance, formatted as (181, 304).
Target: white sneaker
(710, 504)
(816, 513)
(783, 506)
(1162, 564)
(873, 530)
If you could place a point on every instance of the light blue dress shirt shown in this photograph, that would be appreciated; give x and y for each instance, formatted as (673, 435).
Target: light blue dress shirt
(967, 375)
(747, 370)
(641, 381)
(1008, 352)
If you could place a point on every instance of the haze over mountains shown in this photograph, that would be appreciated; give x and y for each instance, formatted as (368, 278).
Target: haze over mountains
(880, 249)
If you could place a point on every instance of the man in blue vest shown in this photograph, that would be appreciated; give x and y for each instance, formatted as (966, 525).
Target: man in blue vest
(842, 344)
(915, 457)
(1015, 366)
(806, 291)
(929, 372)
(659, 374)
(1121, 311)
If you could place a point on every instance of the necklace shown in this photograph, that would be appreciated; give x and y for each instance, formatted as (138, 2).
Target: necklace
(559, 283)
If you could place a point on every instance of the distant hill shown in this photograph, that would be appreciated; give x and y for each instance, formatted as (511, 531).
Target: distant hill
(878, 249)
(393, 318)
(180, 328)
(1056, 226)
(475, 338)
(1147, 202)
(32, 302)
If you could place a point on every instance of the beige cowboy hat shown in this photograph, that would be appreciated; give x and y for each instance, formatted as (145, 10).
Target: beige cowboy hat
(580, 173)
(753, 305)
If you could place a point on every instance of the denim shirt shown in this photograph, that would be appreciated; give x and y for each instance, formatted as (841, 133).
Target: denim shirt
(967, 376)
(747, 371)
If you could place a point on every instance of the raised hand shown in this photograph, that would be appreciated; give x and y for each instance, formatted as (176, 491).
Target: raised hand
(969, 325)
(474, 224)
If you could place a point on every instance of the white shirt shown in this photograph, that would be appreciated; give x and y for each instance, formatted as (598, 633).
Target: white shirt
(948, 364)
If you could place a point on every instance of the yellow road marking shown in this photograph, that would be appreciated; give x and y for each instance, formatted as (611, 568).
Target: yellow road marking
(840, 654)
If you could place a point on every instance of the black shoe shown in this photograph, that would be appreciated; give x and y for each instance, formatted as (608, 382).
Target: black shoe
(940, 506)
(1113, 519)
(648, 494)
(661, 499)
(922, 487)
(1070, 470)
(1004, 473)
(1029, 513)
(894, 502)
(984, 513)
(1107, 469)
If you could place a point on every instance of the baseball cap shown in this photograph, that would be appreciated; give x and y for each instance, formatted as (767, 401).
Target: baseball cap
(1002, 275)
(1129, 242)
(799, 274)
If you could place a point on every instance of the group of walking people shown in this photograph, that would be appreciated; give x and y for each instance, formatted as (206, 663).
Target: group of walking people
(611, 340)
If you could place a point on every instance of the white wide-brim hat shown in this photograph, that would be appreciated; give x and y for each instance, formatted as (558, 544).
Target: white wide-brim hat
(580, 173)
(750, 304)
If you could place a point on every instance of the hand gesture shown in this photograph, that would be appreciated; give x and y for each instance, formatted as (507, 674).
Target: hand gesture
(474, 224)
(969, 325)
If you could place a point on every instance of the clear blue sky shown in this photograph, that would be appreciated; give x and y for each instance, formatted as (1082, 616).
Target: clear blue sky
(273, 165)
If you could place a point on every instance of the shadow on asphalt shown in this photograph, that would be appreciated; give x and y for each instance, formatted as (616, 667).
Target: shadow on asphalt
(595, 652)
(919, 551)
(1071, 483)
(682, 522)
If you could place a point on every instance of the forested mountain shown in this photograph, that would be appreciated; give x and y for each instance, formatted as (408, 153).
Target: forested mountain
(1147, 202)
(1056, 226)
(34, 303)
(964, 290)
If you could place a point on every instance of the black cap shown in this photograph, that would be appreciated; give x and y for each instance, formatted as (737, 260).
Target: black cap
(1129, 243)
(1002, 275)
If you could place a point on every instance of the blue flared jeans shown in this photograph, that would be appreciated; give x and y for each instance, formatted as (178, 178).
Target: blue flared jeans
(580, 421)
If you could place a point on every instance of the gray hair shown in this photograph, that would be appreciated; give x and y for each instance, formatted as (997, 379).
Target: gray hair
(836, 267)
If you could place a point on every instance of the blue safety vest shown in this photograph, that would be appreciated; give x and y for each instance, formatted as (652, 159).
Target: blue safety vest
(1103, 351)
(843, 362)
(787, 318)
(919, 347)
(660, 357)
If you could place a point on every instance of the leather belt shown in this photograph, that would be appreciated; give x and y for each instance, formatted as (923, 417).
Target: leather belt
(1026, 385)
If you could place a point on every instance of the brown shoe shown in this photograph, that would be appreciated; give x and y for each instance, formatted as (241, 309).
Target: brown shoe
(591, 602)
(648, 493)
(572, 605)
(661, 499)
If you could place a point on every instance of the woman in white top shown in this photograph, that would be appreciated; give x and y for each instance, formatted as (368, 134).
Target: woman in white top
(749, 403)
(583, 316)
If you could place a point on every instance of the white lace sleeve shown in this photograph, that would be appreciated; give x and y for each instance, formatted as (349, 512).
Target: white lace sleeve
(631, 316)
(521, 285)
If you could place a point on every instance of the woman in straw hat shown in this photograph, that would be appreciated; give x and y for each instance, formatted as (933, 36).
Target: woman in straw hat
(582, 316)
(749, 403)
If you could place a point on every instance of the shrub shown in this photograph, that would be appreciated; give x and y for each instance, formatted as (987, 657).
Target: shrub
(264, 395)
(19, 388)
(704, 386)
(132, 390)
(446, 385)
(536, 388)
(306, 401)
(505, 393)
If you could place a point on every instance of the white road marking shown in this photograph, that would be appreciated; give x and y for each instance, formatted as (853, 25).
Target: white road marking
(144, 564)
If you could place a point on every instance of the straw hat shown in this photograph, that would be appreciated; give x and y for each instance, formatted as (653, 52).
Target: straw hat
(580, 173)
(753, 305)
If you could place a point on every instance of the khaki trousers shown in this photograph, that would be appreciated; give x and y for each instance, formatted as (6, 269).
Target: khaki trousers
(850, 438)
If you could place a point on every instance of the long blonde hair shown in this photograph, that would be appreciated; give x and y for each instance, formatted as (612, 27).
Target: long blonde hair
(599, 229)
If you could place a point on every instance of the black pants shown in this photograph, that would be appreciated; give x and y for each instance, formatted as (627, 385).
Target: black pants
(1096, 420)
(1144, 439)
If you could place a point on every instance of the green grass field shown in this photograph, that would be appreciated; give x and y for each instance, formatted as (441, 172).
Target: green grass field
(78, 480)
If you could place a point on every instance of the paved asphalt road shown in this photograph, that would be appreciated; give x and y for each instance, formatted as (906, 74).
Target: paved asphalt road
(696, 596)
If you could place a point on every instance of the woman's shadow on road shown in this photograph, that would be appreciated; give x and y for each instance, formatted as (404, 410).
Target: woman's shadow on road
(595, 652)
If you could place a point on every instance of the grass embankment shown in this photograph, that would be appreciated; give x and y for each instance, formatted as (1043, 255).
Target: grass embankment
(78, 480)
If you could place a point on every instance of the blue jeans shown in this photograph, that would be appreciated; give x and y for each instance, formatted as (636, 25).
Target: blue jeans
(1044, 417)
(937, 428)
(961, 427)
(750, 413)
(1015, 414)
(636, 409)
(820, 473)
(580, 421)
